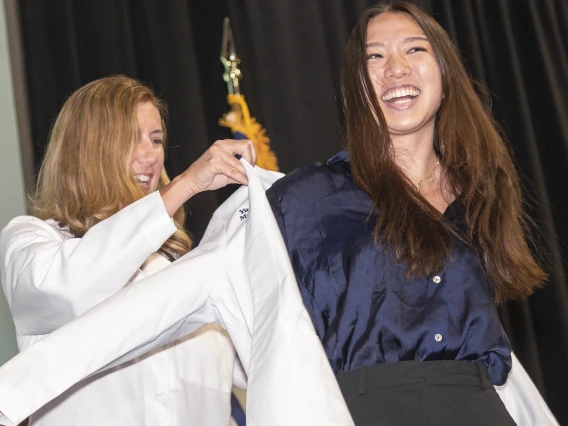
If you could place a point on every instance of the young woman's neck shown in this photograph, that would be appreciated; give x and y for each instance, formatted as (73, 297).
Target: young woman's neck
(414, 155)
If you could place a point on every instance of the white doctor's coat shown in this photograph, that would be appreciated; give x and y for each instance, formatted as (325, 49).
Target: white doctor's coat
(50, 278)
(239, 276)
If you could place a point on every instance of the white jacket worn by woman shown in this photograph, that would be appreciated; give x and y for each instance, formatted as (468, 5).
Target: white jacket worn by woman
(50, 278)
(239, 276)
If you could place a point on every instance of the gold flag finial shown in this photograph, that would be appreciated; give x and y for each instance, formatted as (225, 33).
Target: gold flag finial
(230, 60)
(238, 119)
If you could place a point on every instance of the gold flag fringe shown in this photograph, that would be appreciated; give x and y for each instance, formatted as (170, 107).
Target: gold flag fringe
(238, 119)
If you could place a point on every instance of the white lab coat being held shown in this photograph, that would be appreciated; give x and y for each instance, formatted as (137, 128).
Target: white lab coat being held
(240, 277)
(50, 277)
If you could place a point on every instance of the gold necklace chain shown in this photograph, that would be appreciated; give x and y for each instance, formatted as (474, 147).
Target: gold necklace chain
(429, 177)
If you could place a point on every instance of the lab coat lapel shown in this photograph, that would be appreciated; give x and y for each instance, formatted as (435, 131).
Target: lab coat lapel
(290, 379)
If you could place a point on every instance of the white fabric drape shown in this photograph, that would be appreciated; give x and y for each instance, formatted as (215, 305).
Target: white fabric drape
(239, 276)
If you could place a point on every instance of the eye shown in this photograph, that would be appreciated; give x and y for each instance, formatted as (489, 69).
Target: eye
(417, 49)
(157, 141)
(374, 56)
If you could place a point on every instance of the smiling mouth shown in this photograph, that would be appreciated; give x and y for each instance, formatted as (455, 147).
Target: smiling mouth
(401, 95)
(142, 180)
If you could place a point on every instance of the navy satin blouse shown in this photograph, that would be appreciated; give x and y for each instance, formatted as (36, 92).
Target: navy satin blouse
(362, 307)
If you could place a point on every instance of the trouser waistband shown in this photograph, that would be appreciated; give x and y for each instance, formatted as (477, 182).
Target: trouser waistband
(433, 373)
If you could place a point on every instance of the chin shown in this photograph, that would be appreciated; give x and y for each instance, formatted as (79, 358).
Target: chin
(148, 190)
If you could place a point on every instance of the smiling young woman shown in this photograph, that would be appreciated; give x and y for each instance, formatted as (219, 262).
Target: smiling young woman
(392, 146)
(403, 243)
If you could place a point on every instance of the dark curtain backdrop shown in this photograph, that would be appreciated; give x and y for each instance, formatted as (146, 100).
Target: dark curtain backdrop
(291, 52)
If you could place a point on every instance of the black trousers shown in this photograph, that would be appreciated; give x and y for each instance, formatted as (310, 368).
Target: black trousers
(423, 393)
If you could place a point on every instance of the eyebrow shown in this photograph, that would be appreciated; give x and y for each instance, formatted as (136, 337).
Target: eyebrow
(157, 131)
(405, 41)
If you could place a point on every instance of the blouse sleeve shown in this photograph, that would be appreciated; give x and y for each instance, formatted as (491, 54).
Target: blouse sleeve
(274, 201)
(49, 280)
(310, 302)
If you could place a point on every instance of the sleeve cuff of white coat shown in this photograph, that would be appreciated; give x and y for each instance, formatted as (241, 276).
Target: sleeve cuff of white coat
(5, 421)
(157, 224)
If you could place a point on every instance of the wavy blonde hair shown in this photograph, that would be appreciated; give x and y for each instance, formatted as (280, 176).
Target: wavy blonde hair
(85, 176)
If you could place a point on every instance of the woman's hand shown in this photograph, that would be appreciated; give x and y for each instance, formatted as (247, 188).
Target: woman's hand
(216, 168)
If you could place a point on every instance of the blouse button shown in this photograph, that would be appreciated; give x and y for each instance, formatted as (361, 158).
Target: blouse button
(438, 337)
(437, 279)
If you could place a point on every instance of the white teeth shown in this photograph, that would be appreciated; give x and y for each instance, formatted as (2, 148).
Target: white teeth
(142, 178)
(399, 93)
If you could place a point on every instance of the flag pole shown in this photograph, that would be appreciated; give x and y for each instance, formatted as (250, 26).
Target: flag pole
(238, 119)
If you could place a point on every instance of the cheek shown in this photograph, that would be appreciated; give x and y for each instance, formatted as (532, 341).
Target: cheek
(437, 82)
(439, 94)
(375, 75)
(160, 156)
(133, 158)
(433, 77)
(373, 71)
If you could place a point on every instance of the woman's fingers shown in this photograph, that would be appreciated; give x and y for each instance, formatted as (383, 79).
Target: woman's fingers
(244, 148)
(232, 168)
(216, 168)
(250, 153)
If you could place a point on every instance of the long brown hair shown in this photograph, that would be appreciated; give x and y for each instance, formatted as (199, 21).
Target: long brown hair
(85, 176)
(476, 160)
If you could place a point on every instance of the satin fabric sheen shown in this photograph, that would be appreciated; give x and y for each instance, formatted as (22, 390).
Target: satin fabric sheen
(364, 310)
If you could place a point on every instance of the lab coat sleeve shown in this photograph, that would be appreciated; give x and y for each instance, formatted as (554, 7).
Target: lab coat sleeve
(143, 316)
(48, 280)
(523, 400)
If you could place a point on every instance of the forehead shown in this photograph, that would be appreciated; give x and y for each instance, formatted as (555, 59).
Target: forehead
(392, 27)
(147, 111)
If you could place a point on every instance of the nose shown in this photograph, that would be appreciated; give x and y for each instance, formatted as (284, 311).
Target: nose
(145, 153)
(397, 67)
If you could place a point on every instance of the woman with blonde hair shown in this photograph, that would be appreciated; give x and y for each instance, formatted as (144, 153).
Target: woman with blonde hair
(106, 215)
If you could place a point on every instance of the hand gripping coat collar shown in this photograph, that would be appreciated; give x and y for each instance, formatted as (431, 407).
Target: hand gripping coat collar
(240, 277)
